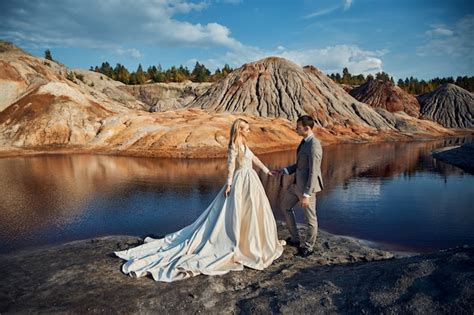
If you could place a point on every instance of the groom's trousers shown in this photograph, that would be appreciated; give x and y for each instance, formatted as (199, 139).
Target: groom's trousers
(290, 200)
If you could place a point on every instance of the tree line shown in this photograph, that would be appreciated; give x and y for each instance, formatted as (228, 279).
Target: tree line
(201, 74)
(157, 74)
(410, 85)
(415, 86)
(348, 78)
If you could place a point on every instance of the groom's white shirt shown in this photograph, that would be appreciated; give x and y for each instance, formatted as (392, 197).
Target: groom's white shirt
(286, 171)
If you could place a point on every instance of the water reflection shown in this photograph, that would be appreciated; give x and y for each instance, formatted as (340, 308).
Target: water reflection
(387, 192)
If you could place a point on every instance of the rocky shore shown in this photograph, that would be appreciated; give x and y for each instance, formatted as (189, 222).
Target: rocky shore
(343, 276)
(460, 156)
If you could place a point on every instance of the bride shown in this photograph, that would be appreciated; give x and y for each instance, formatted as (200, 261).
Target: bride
(236, 230)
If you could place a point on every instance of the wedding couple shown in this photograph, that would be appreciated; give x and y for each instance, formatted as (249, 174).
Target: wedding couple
(238, 228)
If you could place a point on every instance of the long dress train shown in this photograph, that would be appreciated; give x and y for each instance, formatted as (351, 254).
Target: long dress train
(231, 233)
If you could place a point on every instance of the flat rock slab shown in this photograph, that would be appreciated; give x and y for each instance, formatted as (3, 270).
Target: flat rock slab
(460, 156)
(343, 276)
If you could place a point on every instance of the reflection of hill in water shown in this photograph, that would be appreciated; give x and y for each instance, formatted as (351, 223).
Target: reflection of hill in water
(343, 162)
(53, 190)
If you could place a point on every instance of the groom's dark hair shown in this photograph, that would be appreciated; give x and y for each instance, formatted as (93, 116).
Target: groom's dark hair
(306, 121)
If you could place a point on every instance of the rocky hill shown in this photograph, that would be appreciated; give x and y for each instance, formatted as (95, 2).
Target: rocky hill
(46, 107)
(386, 95)
(97, 83)
(276, 87)
(449, 105)
(160, 97)
(52, 114)
(44, 103)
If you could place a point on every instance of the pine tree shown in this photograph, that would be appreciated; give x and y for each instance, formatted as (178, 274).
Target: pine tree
(346, 76)
(121, 74)
(200, 73)
(151, 73)
(133, 78)
(383, 76)
(140, 75)
(226, 70)
(48, 55)
(106, 69)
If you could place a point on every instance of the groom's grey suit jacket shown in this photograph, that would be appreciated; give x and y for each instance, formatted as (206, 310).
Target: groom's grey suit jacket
(308, 179)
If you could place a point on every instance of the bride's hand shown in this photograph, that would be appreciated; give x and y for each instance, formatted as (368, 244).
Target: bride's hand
(270, 173)
(276, 172)
(227, 191)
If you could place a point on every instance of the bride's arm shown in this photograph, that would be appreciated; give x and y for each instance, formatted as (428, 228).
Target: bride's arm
(231, 156)
(259, 164)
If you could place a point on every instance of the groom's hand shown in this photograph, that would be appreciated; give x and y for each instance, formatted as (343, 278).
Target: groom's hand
(304, 202)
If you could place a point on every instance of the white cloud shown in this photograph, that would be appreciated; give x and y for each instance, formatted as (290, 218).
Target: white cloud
(335, 58)
(345, 5)
(439, 31)
(110, 24)
(322, 12)
(454, 41)
(131, 53)
(119, 26)
(329, 59)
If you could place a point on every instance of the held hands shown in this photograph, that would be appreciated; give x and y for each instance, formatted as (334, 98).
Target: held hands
(276, 172)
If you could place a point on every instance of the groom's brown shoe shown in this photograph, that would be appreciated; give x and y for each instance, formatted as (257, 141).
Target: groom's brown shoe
(290, 242)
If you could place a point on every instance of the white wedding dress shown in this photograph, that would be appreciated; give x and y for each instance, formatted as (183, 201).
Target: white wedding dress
(231, 233)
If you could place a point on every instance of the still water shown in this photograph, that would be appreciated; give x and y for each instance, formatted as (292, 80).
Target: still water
(394, 194)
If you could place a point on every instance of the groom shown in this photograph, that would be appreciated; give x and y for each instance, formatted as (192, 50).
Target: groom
(303, 190)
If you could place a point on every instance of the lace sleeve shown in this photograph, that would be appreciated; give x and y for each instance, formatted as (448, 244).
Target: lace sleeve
(231, 156)
(259, 163)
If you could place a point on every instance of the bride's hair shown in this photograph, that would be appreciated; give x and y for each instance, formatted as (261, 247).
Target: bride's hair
(236, 140)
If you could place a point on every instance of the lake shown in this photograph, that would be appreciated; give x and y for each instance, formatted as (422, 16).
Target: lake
(393, 194)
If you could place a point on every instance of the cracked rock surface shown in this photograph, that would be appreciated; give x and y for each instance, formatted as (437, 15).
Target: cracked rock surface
(343, 276)
(449, 105)
(386, 95)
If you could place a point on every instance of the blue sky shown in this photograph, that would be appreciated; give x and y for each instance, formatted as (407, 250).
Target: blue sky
(417, 38)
